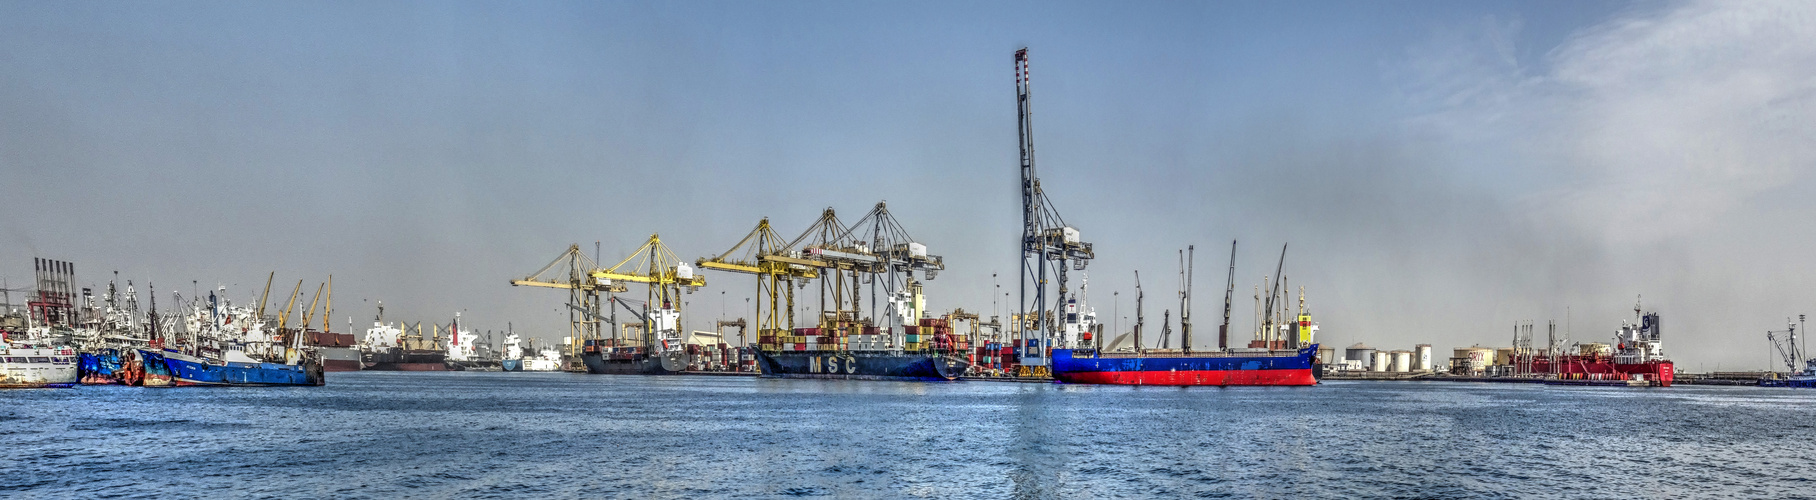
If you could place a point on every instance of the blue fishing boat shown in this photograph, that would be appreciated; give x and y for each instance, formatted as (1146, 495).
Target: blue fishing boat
(100, 367)
(1792, 353)
(1805, 380)
(194, 371)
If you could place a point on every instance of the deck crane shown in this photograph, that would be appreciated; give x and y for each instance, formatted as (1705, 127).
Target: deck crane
(572, 271)
(1787, 346)
(766, 255)
(1045, 237)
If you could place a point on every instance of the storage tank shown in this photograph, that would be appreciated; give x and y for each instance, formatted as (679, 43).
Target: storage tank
(1361, 354)
(1473, 359)
(1422, 357)
(1402, 361)
(1383, 361)
(1503, 356)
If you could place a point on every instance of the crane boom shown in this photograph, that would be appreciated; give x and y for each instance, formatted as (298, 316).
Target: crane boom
(1229, 292)
(284, 317)
(265, 295)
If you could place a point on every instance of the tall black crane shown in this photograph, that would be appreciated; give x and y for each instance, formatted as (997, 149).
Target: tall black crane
(1045, 236)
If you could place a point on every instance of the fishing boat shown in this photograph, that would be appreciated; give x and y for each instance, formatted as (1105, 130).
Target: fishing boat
(228, 346)
(239, 370)
(1793, 355)
(1805, 379)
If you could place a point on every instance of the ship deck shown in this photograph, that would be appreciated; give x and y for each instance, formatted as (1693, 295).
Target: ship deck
(1176, 353)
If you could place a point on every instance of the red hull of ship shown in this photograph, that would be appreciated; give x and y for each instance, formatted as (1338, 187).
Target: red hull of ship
(1199, 377)
(1659, 373)
(409, 367)
(340, 365)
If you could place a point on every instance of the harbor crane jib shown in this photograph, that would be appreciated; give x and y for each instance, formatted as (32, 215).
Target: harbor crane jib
(764, 254)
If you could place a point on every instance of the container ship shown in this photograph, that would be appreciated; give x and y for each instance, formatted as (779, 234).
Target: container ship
(660, 351)
(916, 350)
(1636, 358)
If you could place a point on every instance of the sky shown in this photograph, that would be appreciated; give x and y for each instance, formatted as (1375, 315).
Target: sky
(1441, 170)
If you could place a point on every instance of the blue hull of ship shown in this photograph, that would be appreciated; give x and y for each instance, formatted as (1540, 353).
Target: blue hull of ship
(511, 365)
(1801, 383)
(189, 373)
(98, 368)
(1220, 370)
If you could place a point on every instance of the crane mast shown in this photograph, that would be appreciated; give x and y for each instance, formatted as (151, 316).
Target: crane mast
(1046, 240)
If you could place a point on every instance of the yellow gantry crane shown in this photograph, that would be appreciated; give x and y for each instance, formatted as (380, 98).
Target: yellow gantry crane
(572, 270)
(652, 264)
(765, 254)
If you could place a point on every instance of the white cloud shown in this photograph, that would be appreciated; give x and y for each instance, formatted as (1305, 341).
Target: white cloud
(1648, 125)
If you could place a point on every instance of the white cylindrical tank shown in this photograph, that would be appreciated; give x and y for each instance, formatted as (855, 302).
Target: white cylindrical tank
(1402, 361)
(1422, 353)
(1362, 354)
(1383, 361)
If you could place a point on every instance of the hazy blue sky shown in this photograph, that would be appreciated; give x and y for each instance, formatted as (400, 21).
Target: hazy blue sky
(1442, 169)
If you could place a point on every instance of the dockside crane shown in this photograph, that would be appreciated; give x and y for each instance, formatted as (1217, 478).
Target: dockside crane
(878, 246)
(1045, 235)
(573, 271)
(764, 254)
(666, 275)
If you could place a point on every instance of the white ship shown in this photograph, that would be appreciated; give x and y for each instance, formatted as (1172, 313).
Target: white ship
(26, 364)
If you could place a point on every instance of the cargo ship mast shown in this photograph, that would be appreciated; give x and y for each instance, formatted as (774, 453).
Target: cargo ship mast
(1045, 237)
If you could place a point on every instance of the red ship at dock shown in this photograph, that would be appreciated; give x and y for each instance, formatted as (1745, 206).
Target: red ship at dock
(1634, 359)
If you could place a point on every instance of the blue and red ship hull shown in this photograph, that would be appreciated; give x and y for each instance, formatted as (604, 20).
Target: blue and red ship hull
(1221, 370)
